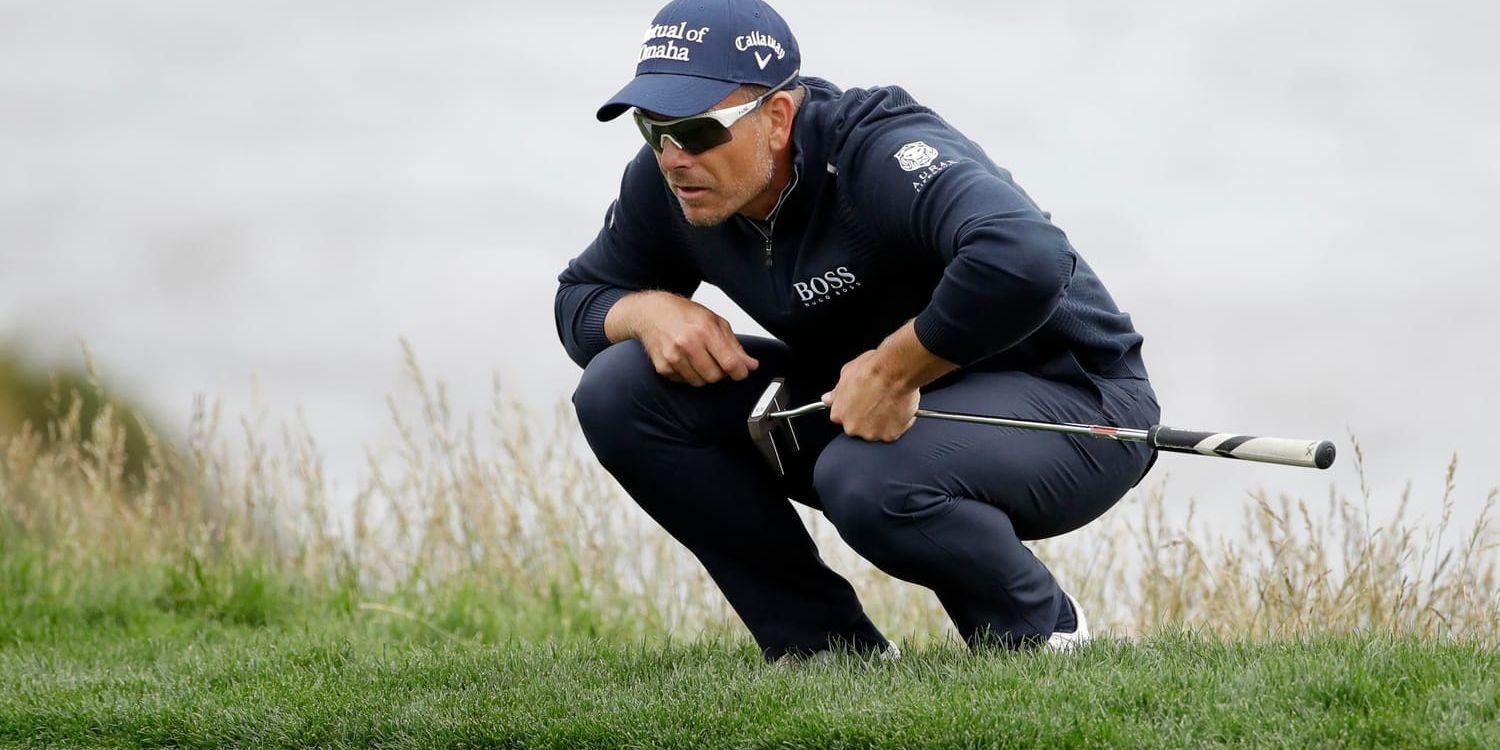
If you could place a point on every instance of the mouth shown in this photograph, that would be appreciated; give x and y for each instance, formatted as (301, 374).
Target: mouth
(690, 193)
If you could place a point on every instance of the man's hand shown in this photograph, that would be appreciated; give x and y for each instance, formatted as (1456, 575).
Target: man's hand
(877, 394)
(870, 401)
(686, 341)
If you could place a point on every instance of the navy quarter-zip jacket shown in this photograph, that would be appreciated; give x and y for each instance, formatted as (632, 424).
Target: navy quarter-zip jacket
(892, 214)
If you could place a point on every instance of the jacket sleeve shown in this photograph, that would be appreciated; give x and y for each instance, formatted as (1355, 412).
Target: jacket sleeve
(628, 254)
(921, 183)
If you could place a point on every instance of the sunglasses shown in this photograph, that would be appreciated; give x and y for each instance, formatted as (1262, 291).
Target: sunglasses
(699, 133)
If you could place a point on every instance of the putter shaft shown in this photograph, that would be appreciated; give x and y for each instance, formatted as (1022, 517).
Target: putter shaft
(1104, 431)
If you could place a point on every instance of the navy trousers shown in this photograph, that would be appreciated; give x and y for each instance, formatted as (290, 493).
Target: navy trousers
(945, 506)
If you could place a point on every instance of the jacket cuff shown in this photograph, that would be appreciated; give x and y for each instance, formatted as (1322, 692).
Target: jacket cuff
(591, 331)
(940, 338)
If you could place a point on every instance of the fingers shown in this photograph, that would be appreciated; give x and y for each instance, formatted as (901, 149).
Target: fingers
(729, 356)
(667, 372)
(705, 369)
(671, 369)
(699, 352)
(711, 359)
(868, 427)
(750, 363)
(687, 364)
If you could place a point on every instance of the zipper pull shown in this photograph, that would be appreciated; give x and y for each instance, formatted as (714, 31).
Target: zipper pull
(768, 252)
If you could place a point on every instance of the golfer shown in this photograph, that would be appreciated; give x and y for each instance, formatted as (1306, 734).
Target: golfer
(897, 267)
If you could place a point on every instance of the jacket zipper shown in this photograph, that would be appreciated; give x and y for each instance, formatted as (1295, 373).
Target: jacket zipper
(776, 211)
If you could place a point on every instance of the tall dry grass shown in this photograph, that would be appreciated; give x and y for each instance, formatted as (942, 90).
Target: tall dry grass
(506, 527)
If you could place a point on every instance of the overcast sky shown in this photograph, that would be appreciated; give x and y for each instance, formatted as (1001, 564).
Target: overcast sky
(1295, 201)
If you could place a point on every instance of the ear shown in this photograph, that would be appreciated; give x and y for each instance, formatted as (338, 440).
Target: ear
(780, 111)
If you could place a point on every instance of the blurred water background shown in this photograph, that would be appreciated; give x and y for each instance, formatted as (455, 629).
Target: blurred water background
(1295, 201)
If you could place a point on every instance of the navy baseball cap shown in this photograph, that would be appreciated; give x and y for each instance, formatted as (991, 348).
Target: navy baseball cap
(696, 52)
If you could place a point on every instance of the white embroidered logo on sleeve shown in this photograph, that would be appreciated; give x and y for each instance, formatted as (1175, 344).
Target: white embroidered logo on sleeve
(915, 155)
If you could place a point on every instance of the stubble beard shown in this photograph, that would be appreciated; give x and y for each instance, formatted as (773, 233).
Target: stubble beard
(742, 189)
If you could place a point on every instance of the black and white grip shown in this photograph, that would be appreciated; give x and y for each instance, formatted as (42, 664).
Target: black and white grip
(1314, 454)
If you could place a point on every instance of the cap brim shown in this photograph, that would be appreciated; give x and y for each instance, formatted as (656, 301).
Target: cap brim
(667, 95)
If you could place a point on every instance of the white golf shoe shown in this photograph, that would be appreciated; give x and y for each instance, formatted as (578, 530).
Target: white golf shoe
(1080, 635)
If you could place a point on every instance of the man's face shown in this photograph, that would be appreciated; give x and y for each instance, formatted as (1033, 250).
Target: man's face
(716, 184)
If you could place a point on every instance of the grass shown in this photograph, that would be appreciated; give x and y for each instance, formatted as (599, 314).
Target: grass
(488, 584)
(337, 683)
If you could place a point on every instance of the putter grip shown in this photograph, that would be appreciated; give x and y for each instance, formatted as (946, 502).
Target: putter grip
(1314, 454)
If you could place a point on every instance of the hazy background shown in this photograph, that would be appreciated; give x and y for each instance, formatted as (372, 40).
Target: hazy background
(1297, 202)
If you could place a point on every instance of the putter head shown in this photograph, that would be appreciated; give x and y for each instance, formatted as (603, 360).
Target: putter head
(765, 430)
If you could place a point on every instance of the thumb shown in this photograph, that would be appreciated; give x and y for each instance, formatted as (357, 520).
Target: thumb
(827, 398)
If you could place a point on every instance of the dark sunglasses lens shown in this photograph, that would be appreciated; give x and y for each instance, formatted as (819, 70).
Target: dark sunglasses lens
(648, 132)
(695, 136)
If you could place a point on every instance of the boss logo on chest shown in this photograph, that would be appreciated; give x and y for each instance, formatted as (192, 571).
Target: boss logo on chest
(825, 286)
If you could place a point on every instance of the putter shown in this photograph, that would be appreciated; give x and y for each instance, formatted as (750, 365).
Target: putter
(770, 420)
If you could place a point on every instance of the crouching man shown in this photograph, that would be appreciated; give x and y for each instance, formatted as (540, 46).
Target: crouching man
(897, 267)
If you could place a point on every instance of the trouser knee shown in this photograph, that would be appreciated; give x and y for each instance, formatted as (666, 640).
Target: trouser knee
(609, 397)
(625, 406)
(870, 505)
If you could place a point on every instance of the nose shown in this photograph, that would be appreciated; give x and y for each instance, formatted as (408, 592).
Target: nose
(672, 155)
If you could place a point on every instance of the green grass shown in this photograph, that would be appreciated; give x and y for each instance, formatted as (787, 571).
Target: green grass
(342, 681)
(498, 590)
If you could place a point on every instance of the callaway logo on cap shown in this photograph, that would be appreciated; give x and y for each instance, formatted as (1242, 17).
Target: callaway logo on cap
(696, 52)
